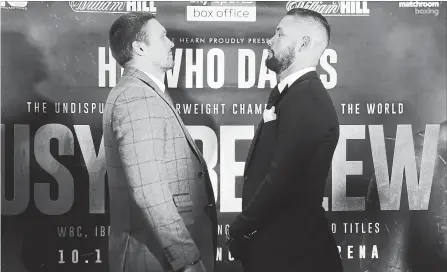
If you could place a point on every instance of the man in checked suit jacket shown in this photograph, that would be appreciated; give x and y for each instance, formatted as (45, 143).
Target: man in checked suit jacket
(282, 226)
(162, 209)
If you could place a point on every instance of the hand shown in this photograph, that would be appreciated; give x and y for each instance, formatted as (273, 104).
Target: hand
(237, 247)
(198, 267)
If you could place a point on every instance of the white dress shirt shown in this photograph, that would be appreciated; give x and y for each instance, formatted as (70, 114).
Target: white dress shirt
(290, 79)
(160, 84)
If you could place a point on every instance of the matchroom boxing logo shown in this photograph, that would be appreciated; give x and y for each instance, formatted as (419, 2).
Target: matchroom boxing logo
(422, 8)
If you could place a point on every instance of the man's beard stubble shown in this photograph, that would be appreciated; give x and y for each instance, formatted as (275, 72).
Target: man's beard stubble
(272, 63)
(282, 62)
(169, 64)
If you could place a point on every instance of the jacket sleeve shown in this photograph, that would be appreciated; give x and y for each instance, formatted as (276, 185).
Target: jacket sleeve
(139, 125)
(300, 129)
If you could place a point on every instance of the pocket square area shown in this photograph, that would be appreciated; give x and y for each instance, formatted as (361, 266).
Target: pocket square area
(269, 114)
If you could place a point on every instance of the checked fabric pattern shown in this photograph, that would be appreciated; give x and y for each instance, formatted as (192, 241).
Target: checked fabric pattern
(152, 175)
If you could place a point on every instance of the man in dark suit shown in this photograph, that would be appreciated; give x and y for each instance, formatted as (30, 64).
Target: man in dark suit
(283, 226)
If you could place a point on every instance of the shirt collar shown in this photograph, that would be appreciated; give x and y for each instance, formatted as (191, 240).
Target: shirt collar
(290, 79)
(160, 84)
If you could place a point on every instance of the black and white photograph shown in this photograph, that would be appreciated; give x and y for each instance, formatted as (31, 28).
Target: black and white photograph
(223, 136)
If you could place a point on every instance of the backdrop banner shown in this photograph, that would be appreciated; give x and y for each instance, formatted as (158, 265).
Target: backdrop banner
(385, 70)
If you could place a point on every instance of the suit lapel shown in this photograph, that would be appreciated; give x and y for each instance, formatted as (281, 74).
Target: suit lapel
(252, 146)
(307, 76)
(130, 71)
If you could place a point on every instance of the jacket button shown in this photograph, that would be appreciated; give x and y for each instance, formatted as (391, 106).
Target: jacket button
(208, 207)
(245, 178)
(201, 174)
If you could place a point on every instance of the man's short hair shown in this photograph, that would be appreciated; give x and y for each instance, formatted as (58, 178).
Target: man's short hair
(124, 31)
(320, 19)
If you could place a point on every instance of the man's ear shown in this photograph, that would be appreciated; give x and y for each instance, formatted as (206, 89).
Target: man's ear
(137, 48)
(305, 43)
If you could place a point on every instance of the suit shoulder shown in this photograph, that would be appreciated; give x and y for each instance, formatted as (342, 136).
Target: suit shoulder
(315, 88)
(312, 98)
(130, 88)
(307, 92)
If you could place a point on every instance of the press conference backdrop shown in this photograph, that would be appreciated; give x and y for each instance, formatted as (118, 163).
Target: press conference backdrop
(385, 69)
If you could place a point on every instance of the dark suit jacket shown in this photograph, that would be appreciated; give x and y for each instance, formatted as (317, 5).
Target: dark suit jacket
(285, 175)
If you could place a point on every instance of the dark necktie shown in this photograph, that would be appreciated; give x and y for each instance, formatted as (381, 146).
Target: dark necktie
(273, 97)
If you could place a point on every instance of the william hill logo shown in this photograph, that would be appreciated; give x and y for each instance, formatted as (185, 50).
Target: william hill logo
(14, 5)
(333, 8)
(112, 6)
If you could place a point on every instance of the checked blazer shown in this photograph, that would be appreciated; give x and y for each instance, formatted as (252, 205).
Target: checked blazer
(162, 208)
